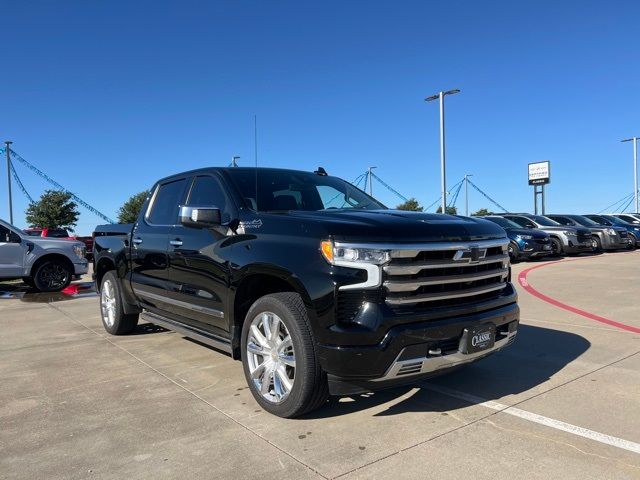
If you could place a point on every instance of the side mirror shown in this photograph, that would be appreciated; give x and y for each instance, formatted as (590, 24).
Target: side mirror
(200, 217)
(530, 225)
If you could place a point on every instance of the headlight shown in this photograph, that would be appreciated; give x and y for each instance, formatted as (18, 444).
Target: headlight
(525, 237)
(569, 233)
(610, 231)
(336, 254)
(79, 251)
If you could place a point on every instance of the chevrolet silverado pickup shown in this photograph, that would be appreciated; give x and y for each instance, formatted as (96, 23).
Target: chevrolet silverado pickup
(315, 286)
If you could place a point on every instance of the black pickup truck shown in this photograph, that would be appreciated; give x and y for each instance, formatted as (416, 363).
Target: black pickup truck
(317, 287)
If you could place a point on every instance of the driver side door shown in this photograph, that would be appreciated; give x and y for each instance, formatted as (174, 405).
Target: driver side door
(12, 253)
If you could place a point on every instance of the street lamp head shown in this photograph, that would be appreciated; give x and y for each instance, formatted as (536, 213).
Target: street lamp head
(629, 139)
(438, 95)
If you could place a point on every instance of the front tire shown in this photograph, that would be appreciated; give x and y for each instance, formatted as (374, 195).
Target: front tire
(596, 245)
(114, 320)
(52, 276)
(634, 242)
(514, 252)
(556, 247)
(279, 358)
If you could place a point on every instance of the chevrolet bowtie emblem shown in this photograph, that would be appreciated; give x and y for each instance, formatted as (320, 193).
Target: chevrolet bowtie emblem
(472, 254)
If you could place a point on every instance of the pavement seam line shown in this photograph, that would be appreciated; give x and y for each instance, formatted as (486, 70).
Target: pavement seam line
(495, 412)
(66, 314)
(542, 420)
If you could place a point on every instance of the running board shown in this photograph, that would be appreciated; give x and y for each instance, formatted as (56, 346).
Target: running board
(196, 334)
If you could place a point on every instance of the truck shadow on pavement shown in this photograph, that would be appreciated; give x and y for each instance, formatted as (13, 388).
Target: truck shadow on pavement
(537, 354)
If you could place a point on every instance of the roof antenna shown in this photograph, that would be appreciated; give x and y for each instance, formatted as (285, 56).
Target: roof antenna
(255, 146)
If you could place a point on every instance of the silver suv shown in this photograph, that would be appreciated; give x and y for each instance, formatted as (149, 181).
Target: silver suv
(46, 264)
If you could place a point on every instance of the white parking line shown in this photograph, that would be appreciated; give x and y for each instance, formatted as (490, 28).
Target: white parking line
(540, 419)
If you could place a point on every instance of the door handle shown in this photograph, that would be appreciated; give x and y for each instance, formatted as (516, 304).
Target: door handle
(137, 240)
(176, 243)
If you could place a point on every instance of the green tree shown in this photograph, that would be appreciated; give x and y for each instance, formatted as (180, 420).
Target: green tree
(411, 205)
(482, 213)
(55, 209)
(449, 210)
(128, 213)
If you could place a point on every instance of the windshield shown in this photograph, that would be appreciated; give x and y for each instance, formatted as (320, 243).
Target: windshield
(503, 222)
(584, 221)
(600, 220)
(616, 221)
(544, 221)
(280, 190)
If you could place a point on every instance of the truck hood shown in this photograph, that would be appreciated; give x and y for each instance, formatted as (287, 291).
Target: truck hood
(58, 243)
(393, 225)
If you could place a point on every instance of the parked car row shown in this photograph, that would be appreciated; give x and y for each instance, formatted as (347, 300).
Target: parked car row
(532, 236)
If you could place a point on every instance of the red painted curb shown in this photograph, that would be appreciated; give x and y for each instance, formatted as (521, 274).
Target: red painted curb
(522, 280)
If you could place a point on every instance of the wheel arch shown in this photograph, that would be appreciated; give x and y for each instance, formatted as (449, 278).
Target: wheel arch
(49, 257)
(254, 283)
(104, 265)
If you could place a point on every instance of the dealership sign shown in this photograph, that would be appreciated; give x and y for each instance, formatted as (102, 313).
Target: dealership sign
(539, 173)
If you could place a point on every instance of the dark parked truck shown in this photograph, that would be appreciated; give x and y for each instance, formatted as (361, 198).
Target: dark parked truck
(314, 285)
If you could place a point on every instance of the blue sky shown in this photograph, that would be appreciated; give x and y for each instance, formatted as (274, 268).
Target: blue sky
(106, 97)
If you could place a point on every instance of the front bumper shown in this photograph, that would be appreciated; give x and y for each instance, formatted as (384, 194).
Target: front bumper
(81, 268)
(574, 246)
(533, 249)
(615, 242)
(356, 369)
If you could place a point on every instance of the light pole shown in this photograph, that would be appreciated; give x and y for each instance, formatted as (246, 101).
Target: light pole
(443, 178)
(466, 194)
(635, 170)
(8, 151)
(371, 181)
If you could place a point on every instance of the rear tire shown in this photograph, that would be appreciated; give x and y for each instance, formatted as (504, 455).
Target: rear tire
(52, 276)
(114, 320)
(556, 247)
(279, 358)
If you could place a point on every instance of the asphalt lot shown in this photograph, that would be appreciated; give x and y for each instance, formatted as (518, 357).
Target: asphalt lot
(562, 402)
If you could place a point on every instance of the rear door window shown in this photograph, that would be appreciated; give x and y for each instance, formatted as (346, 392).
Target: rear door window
(165, 204)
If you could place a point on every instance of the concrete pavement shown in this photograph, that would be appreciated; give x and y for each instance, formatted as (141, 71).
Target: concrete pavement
(78, 403)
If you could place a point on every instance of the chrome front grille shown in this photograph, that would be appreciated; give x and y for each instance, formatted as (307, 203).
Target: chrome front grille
(434, 272)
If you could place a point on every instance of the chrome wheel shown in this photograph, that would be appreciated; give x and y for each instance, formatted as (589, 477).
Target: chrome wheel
(271, 357)
(108, 303)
